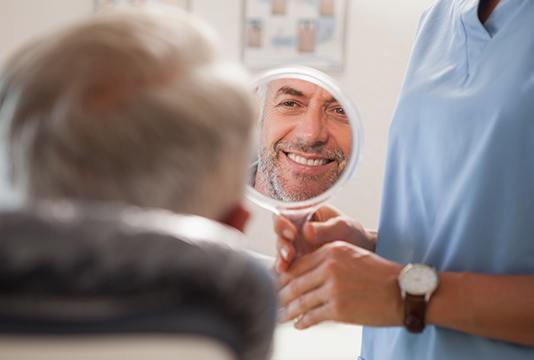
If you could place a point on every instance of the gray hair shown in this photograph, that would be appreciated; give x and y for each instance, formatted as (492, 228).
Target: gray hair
(128, 107)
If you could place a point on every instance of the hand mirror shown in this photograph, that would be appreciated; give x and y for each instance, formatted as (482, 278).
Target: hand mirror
(308, 143)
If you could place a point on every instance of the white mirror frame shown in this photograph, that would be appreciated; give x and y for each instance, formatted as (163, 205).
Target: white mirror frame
(320, 79)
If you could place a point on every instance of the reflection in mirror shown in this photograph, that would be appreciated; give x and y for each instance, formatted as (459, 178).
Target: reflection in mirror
(304, 143)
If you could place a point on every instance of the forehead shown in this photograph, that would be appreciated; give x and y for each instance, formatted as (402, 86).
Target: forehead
(296, 87)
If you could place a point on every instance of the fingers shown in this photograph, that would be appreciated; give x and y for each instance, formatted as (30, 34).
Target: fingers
(285, 254)
(303, 304)
(328, 225)
(287, 231)
(284, 228)
(315, 316)
(325, 212)
(284, 243)
(320, 233)
(301, 285)
(301, 266)
(279, 267)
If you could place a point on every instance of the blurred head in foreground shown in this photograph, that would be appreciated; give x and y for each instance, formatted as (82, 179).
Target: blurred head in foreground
(129, 107)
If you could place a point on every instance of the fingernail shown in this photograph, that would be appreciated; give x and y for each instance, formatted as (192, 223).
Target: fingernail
(284, 252)
(288, 234)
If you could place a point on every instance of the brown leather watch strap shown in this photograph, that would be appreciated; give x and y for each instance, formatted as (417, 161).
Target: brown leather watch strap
(414, 313)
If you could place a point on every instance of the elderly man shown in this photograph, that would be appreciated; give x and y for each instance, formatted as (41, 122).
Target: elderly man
(305, 140)
(125, 109)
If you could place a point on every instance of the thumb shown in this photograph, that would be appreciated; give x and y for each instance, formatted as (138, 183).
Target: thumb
(325, 213)
(333, 229)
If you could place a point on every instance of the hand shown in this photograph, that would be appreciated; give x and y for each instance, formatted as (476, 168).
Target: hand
(344, 283)
(327, 225)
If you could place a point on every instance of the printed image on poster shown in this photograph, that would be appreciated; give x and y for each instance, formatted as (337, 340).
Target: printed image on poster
(306, 32)
(254, 33)
(306, 36)
(279, 7)
(327, 8)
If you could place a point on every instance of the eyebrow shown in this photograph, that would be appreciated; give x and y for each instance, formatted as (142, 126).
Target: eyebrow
(287, 90)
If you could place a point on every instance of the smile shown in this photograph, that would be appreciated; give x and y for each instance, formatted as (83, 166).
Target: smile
(308, 162)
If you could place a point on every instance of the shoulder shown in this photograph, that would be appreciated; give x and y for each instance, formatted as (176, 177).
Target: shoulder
(438, 13)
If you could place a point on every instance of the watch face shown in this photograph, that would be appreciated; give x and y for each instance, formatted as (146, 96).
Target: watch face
(417, 279)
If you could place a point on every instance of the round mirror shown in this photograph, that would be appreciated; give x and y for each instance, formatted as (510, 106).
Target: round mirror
(309, 140)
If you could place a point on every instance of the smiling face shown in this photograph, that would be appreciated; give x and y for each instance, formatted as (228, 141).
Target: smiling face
(305, 141)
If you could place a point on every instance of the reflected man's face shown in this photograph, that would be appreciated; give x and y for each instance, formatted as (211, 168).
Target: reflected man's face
(305, 141)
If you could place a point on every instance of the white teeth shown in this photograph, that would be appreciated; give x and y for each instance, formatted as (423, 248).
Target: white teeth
(308, 162)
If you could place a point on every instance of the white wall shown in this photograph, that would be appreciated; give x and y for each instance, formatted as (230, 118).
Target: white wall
(380, 33)
(21, 20)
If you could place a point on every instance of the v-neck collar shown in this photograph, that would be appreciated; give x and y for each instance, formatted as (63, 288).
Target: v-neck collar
(478, 35)
(474, 27)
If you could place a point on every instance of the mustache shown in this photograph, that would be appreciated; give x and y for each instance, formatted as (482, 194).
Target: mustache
(318, 149)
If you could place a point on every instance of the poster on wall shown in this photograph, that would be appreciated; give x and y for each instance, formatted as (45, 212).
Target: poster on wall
(305, 32)
(102, 4)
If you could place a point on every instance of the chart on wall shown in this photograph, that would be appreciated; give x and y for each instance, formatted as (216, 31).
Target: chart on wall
(101, 4)
(305, 32)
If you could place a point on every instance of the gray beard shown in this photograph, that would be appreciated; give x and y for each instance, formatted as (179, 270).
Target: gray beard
(278, 187)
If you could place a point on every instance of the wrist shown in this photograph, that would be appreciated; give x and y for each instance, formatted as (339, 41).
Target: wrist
(396, 304)
(443, 300)
(417, 283)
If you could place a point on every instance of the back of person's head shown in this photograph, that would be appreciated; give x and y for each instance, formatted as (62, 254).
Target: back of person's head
(128, 107)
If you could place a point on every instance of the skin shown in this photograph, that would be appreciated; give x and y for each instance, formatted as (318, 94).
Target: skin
(486, 8)
(237, 217)
(345, 281)
(301, 120)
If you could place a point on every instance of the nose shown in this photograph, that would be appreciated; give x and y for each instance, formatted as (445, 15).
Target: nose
(312, 128)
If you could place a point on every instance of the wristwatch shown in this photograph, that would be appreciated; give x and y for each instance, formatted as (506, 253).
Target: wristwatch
(417, 282)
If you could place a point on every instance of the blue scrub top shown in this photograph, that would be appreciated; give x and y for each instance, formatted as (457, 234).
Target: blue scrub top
(459, 184)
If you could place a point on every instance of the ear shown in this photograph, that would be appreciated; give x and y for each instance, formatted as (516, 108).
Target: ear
(237, 217)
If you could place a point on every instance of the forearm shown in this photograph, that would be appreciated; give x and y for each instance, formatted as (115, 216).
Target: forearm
(497, 307)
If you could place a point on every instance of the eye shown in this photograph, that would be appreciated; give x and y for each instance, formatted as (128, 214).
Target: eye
(290, 106)
(289, 103)
(339, 110)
